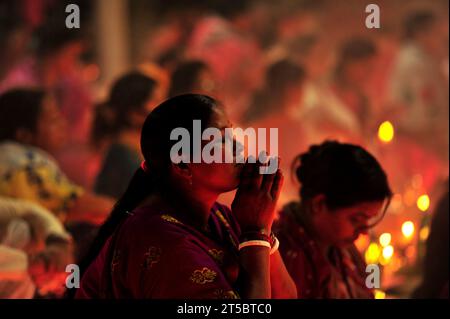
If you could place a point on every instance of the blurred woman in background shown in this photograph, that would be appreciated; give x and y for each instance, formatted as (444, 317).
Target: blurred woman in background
(278, 105)
(118, 123)
(32, 128)
(192, 77)
(342, 109)
(344, 192)
(281, 93)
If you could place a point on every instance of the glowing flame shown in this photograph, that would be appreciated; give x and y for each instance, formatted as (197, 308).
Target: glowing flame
(380, 294)
(423, 202)
(408, 229)
(386, 132)
(372, 253)
(385, 239)
(386, 255)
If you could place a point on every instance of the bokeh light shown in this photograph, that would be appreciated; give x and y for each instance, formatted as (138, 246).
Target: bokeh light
(408, 229)
(423, 202)
(385, 239)
(386, 132)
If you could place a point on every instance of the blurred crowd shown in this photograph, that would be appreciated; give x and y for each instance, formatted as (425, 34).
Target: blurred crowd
(309, 68)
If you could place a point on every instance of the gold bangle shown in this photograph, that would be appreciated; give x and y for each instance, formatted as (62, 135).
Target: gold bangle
(276, 244)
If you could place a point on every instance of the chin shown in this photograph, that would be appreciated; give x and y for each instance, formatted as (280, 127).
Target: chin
(232, 186)
(349, 242)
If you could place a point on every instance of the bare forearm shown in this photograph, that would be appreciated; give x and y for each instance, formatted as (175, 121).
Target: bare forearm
(254, 274)
(283, 287)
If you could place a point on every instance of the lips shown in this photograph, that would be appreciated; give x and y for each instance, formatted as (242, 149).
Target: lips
(239, 167)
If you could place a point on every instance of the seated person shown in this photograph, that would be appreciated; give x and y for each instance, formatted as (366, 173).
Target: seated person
(117, 126)
(169, 214)
(31, 127)
(344, 191)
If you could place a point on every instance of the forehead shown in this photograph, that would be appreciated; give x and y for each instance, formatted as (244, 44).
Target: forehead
(219, 118)
(364, 207)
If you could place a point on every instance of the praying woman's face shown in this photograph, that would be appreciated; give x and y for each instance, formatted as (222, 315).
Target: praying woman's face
(218, 177)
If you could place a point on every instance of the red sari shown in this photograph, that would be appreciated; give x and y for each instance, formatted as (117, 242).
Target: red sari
(154, 255)
(341, 275)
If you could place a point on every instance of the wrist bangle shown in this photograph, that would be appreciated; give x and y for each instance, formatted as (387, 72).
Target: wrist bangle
(254, 235)
(250, 243)
(275, 246)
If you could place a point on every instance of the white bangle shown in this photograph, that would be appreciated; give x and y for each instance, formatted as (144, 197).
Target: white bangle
(276, 244)
(254, 243)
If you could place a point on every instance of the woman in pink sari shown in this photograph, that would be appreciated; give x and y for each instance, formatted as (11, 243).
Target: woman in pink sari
(167, 237)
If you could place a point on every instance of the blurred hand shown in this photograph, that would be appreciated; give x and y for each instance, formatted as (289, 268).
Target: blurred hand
(48, 268)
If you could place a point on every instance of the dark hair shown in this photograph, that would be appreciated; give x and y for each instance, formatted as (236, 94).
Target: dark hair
(52, 35)
(169, 58)
(10, 21)
(346, 174)
(179, 111)
(185, 77)
(353, 50)
(303, 45)
(279, 77)
(50, 39)
(20, 108)
(128, 93)
(418, 22)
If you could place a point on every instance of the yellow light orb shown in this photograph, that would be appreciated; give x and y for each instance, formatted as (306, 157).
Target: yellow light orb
(385, 239)
(408, 229)
(386, 132)
(372, 253)
(423, 202)
(380, 294)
